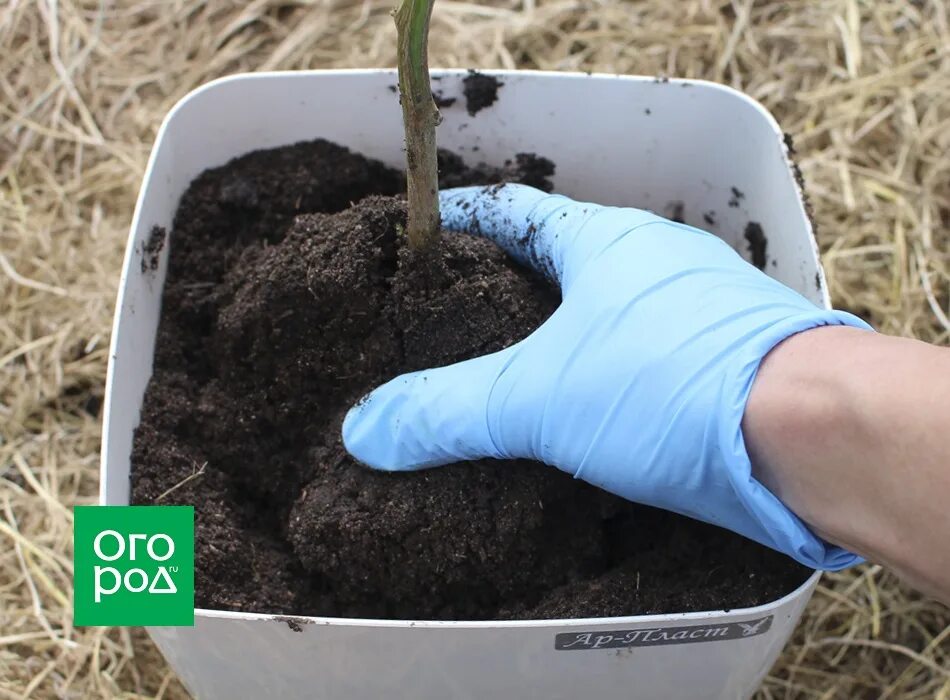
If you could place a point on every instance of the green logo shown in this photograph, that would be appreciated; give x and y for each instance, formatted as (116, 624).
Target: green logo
(134, 565)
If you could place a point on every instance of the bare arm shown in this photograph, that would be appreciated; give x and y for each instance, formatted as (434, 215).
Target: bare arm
(852, 432)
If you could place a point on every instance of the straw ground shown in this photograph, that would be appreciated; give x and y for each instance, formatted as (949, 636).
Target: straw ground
(863, 86)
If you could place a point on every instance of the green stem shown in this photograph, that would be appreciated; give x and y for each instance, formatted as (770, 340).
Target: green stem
(420, 118)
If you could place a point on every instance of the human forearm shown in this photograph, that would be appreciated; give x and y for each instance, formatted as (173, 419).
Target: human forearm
(851, 430)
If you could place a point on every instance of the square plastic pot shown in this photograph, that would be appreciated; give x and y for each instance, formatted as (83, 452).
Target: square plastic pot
(697, 150)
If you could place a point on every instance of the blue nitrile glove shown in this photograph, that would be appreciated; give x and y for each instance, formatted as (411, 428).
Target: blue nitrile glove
(637, 383)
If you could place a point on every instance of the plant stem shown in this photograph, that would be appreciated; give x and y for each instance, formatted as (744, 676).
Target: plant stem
(420, 117)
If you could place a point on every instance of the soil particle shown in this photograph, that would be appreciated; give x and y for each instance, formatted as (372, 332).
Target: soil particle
(294, 623)
(282, 307)
(737, 196)
(757, 244)
(800, 180)
(152, 249)
(442, 102)
(676, 211)
(789, 142)
(480, 91)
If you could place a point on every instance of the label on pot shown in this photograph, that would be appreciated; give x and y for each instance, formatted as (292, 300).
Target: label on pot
(658, 636)
(134, 565)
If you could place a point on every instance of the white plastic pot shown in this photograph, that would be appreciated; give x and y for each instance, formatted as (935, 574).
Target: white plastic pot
(615, 140)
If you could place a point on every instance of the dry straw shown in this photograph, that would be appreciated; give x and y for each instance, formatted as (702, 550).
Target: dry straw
(864, 87)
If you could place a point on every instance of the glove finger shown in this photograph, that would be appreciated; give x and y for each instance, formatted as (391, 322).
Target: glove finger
(550, 233)
(427, 418)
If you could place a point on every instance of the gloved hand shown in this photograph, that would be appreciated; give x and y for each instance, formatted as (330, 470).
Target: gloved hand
(636, 384)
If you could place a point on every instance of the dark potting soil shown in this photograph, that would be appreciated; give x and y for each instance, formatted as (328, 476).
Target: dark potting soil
(480, 91)
(283, 305)
(442, 102)
(757, 244)
(152, 249)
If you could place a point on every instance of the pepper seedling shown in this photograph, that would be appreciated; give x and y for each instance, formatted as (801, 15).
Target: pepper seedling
(420, 117)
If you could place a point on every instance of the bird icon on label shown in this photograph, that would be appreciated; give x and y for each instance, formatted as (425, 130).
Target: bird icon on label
(750, 629)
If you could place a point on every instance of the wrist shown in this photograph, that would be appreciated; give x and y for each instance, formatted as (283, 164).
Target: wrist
(778, 522)
(848, 430)
(801, 402)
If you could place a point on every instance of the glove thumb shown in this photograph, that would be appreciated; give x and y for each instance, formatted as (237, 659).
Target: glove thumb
(428, 418)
